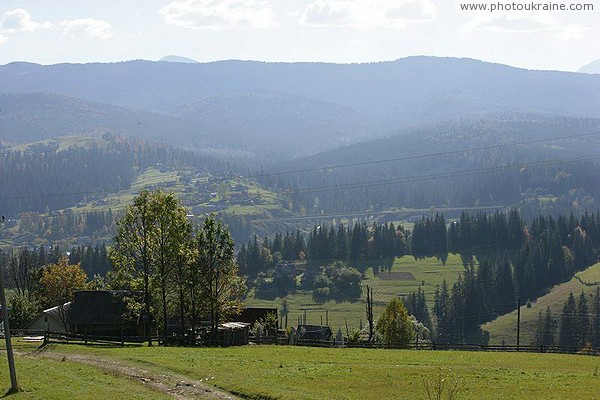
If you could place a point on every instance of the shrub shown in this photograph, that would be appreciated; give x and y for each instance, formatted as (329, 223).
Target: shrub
(394, 325)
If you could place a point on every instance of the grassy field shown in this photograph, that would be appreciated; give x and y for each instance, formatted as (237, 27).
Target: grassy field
(504, 327)
(405, 277)
(65, 142)
(48, 379)
(282, 372)
(153, 177)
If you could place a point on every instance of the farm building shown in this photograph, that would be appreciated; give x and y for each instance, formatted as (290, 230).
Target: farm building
(313, 333)
(252, 315)
(101, 313)
(50, 320)
(233, 334)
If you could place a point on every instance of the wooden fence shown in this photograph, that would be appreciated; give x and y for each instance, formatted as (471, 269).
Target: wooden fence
(53, 337)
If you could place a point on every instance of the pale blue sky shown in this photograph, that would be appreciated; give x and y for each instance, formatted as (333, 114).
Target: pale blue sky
(342, 31)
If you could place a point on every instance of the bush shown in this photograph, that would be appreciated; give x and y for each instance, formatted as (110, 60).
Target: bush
(354, 336)
(320, 295)
(394, 325)
(23, 309)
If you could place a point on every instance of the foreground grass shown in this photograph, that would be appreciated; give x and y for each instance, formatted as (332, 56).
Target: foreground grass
(41, 378)
(282, 372)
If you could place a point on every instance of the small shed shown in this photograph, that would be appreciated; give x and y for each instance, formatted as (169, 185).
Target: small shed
(313, 333)
(51, 319)
(235, 333)
(228, 334)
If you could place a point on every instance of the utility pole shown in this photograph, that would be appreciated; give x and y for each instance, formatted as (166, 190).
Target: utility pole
(518, 322)
(14, 386)
(370, 313)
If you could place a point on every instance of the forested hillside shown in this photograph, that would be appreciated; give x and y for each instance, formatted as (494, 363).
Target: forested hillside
(31, 117)
(43, 176)
(504, 257)
(278, 126)
(454, 164)
(266, 112)
(254, 125)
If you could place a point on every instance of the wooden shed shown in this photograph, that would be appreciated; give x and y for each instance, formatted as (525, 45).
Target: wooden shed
(49, 319)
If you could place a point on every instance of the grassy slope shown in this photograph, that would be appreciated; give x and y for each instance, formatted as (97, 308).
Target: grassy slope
(504, 327)
(282, 372)
(47, 379)
(428, 272)
(65, 142)
(153, 177)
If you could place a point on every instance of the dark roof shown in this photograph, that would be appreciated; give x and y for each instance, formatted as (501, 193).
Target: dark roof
(314, 332)
(251, 315)
(97, 308)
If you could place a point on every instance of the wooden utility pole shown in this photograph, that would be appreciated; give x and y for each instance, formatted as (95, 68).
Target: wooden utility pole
(518, 322)
(14, 386)
(370, 313)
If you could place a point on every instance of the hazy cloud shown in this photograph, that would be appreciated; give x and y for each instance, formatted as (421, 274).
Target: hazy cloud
(3, 39)
(19, 20)
(525, 23)
(218, 14)
(87, 27)
(368, 13)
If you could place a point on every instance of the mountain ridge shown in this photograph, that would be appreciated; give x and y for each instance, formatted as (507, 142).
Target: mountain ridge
(392, 91)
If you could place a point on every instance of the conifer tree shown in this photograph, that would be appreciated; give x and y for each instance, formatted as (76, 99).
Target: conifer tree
(549, 333)
(583, 321)
(595, 328)
(567, 335)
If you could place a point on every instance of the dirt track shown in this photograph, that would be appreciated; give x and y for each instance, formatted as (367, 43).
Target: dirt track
(180, 387)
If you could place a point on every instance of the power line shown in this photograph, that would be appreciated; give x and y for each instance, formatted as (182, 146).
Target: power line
(374, 213)
(420, 156)
(36, 196)
(406, 179)
(419, 178)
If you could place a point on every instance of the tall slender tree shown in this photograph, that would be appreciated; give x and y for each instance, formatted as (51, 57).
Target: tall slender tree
(173, 232)
(133, 250)
(216, 269)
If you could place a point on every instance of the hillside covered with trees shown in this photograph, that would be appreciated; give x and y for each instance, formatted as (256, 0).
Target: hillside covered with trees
(539, 164)
(505, 259)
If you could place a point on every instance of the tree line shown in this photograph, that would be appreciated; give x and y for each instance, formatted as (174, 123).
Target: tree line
(504, 258)
(356, 245)
(577, 326)
(62, 225)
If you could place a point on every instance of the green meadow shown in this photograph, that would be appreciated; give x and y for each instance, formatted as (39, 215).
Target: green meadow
(406, 275)
(284, 372)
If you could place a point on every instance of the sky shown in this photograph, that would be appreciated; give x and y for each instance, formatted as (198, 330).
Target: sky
(339, 31)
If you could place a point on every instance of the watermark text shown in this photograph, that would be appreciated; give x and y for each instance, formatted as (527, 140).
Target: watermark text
(529, 6)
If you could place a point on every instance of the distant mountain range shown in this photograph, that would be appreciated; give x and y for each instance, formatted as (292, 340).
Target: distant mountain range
(278, 123)
(248, 124)
(178, 59)
(37, 116)
(277, 111)
(591, 68)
